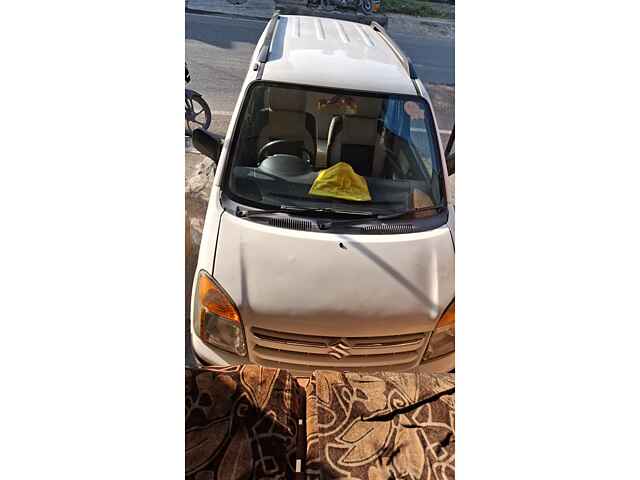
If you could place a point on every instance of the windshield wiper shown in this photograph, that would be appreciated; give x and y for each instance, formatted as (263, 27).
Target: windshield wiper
(328, 224)
(297, 211)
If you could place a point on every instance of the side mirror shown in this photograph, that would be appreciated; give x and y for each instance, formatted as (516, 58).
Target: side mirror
(207, 144)
(451, 163)
(450, 152)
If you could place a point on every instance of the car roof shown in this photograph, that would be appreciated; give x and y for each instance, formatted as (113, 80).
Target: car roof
(335, 53)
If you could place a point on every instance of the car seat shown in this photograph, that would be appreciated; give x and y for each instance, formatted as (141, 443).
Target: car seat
(357, 140)
(286, 119)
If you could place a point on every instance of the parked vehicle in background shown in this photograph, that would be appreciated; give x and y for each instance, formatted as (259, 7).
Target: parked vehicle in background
(365, 6)
(197, 113)
(329, 236)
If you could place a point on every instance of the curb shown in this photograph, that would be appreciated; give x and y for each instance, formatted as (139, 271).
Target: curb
(443, 21)
(224, 14)
(287, 8)
(284, 11)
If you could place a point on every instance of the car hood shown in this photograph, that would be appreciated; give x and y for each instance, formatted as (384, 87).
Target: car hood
(319, 283)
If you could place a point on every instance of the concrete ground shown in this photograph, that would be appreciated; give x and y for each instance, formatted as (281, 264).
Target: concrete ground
(252, 8)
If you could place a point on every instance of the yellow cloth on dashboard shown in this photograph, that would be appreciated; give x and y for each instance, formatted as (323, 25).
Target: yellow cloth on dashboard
(340, 181)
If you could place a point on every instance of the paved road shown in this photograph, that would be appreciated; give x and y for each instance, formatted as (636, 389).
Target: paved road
(433, 57)
(218, 50)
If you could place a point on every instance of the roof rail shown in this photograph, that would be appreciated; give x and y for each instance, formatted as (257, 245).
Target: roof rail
(263, 54)
(406, 62)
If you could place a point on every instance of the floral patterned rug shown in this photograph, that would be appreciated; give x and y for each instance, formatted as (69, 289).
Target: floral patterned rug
(251, 422)
(241, 423)
(380, 426)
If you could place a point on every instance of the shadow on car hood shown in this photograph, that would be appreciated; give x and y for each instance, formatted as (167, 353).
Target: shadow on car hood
(339, 285)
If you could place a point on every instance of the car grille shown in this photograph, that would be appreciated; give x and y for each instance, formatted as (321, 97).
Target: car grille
(308, 352)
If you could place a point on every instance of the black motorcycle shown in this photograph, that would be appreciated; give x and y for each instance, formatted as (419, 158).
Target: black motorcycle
(197, 113)
(365, 6)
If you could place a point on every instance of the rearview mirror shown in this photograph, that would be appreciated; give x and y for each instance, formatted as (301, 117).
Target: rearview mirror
(207, 144)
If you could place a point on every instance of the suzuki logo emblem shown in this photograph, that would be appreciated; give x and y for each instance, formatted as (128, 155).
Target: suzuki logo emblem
(340, 349)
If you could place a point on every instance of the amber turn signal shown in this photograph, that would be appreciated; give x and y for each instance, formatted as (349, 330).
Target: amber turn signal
(443, 338)
(213, 299)
(448, 318)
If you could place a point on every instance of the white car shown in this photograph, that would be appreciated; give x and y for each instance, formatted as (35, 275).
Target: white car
(329, 237)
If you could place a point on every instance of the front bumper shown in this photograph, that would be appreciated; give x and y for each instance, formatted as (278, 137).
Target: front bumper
(444, 363)
(214, 357)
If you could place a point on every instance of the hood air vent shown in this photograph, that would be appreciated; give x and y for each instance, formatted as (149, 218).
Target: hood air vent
(291, 223)
(401, 228)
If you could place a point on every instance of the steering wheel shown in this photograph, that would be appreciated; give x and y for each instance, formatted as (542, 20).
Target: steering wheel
(290, 147)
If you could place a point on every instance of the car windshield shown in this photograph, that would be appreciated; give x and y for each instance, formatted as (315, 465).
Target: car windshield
(316, 148)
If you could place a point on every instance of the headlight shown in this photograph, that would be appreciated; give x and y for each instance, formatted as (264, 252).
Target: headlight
(442, 340)
(217, 320)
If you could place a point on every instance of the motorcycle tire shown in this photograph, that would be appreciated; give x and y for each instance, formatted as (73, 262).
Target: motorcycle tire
(191, 120)
(366, 6)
